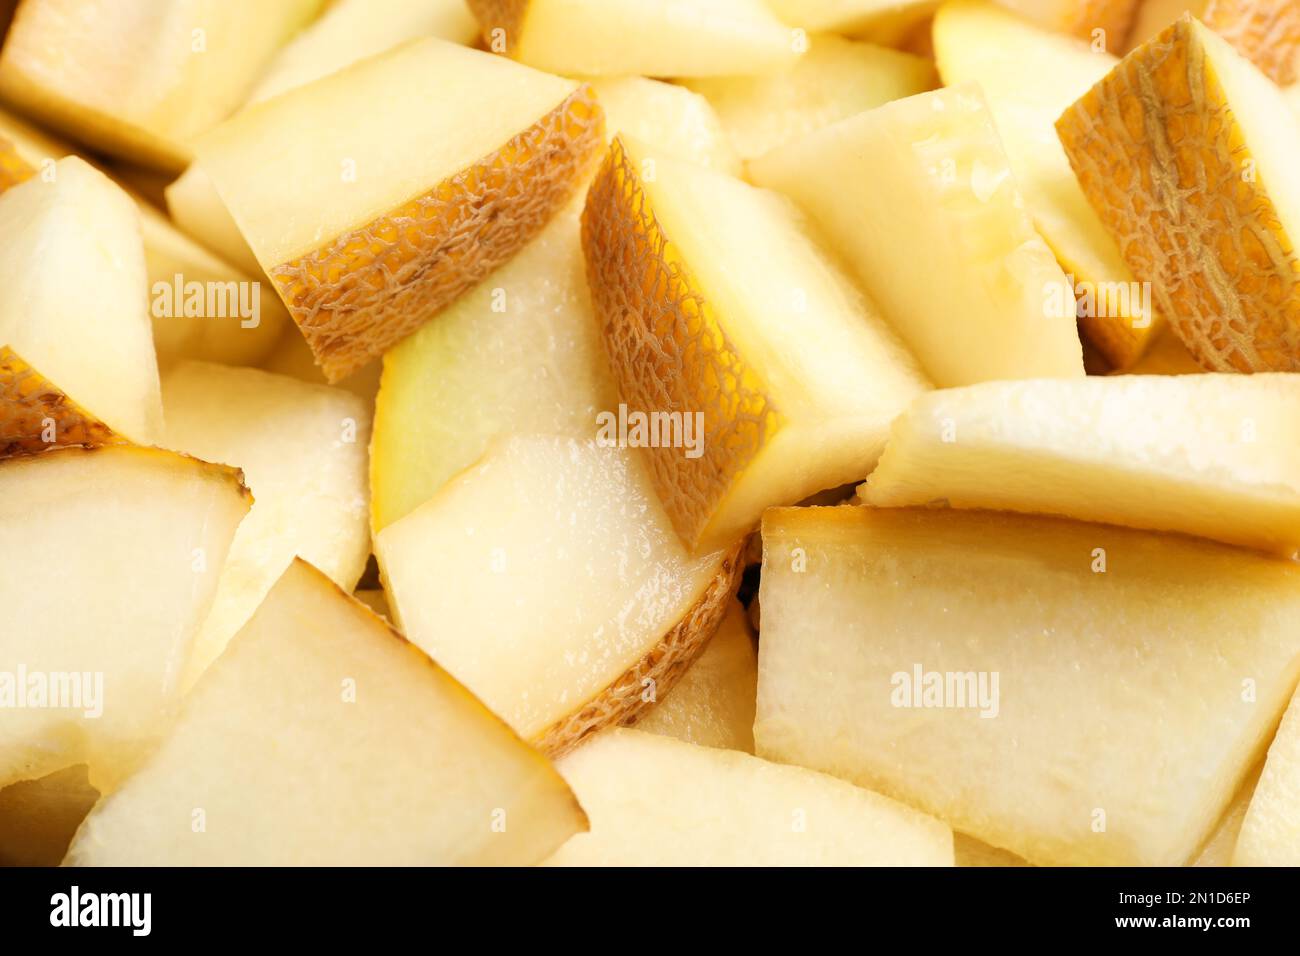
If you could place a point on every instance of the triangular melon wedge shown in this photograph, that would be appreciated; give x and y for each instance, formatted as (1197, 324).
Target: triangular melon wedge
(302, 449)
(713, 703)
(1267, 32)
(889, 22)
(919, 197)
(1270, 829)
(137, 78)
(654, 801)
(322, 738)
(1029, 76)
(450, 160)
(563, 598)
(108, 563)
(717, 304)
(652, 37)
(1187, 152)
(92, 336)
(38, 818)
(1208, 455)
(982, 667)
(36, 415)
(835, 79)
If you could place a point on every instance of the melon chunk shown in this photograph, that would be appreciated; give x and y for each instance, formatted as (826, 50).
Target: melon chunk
(651, 37)
(91, 337)
(1187, 152)
(39, 817)
(889, 22)
(1270, 830)
(322, 738)
(1029, 76)
(835, 79)
(195, 205)
(713, 703)
(951, 254)
(35, 414)
(302, 449)
(108, 562)
(564, 600)
(1208, 455)
(660, 802)
(139, 78)
(1267, 32)
(981, 667)
(716, 305)
(1081, 18)
(450, 161)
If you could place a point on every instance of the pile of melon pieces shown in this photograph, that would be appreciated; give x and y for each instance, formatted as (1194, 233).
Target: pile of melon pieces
(635, 432)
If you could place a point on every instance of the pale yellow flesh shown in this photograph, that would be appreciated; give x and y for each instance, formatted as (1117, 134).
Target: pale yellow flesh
(1209, 455)
(882, 21)
(1218, 849)
(1270, 832)
(654, 801)
(302, 449)
(39, 817)
(108, 563)
(929, 173)
(295, 178)
(678, 123)
(1206, 637)
(712, 704)
(556, 571)
(90, 334)
(322, 738)
(197, 207)
(834, 79)
(292, 357)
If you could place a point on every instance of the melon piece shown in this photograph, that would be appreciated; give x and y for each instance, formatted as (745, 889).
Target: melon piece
(39, 817)
(966, 663)
(1270, 829)
(654, 801)
(368, 228)
(1210, 455)
(139, 537)
(138, 78)
(959, 270)
(1081, 18)
(716, 305)
(195, 205)
(317, 716)
(1029, 76)
(1187, 152)
(564, 599)
(835, 79)
(712, 704)
(302, 449)
(1265, 31)
(1218, 849)
(35, 414)
(650, 37)
(91, 337)
(678, 123)
(889, 22)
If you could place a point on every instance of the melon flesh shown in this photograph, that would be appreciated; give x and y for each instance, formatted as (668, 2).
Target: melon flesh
(324, 739)
(1270, 830)
(35, 414)
(654, 801)
(1265, 31)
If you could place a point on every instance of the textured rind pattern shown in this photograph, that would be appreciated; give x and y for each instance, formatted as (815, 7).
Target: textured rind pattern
(368, 289)
(13, 170)
(28, 403)
(1267, 32)
(667, 349)
(1160, 157)
(622, 701)
(507, 15)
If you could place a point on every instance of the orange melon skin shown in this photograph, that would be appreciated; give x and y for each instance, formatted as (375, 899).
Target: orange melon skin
(33, 410)
(1266, 32)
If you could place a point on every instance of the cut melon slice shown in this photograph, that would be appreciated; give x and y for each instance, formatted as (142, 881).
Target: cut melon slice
(1187, 152)
(564, 600)
(1081, 18)
(137, 78)
(835, 79)
(302, 449)
(981, 667)
(368, 228)
(36, 415)
(950, 253)
(318, 717)
(1208, 455)
(712, 704)
(660, 802)
(91, 337)
(652, 37)
(889, 22)
(108, 562)
(678, 123)
(717, 306)
(1029, 76)
(39, 817)
(1267, 32)
(1270, 830)
(197, 207)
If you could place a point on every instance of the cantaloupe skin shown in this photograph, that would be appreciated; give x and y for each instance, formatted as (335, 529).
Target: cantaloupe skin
(35, 415)
(368, 289)
(1267, 32)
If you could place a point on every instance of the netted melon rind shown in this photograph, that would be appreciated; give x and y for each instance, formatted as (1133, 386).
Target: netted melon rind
(1267, 33)
(368, 289)
(667, 349)
(625, 698)
(32, 409)
(1160, 156)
